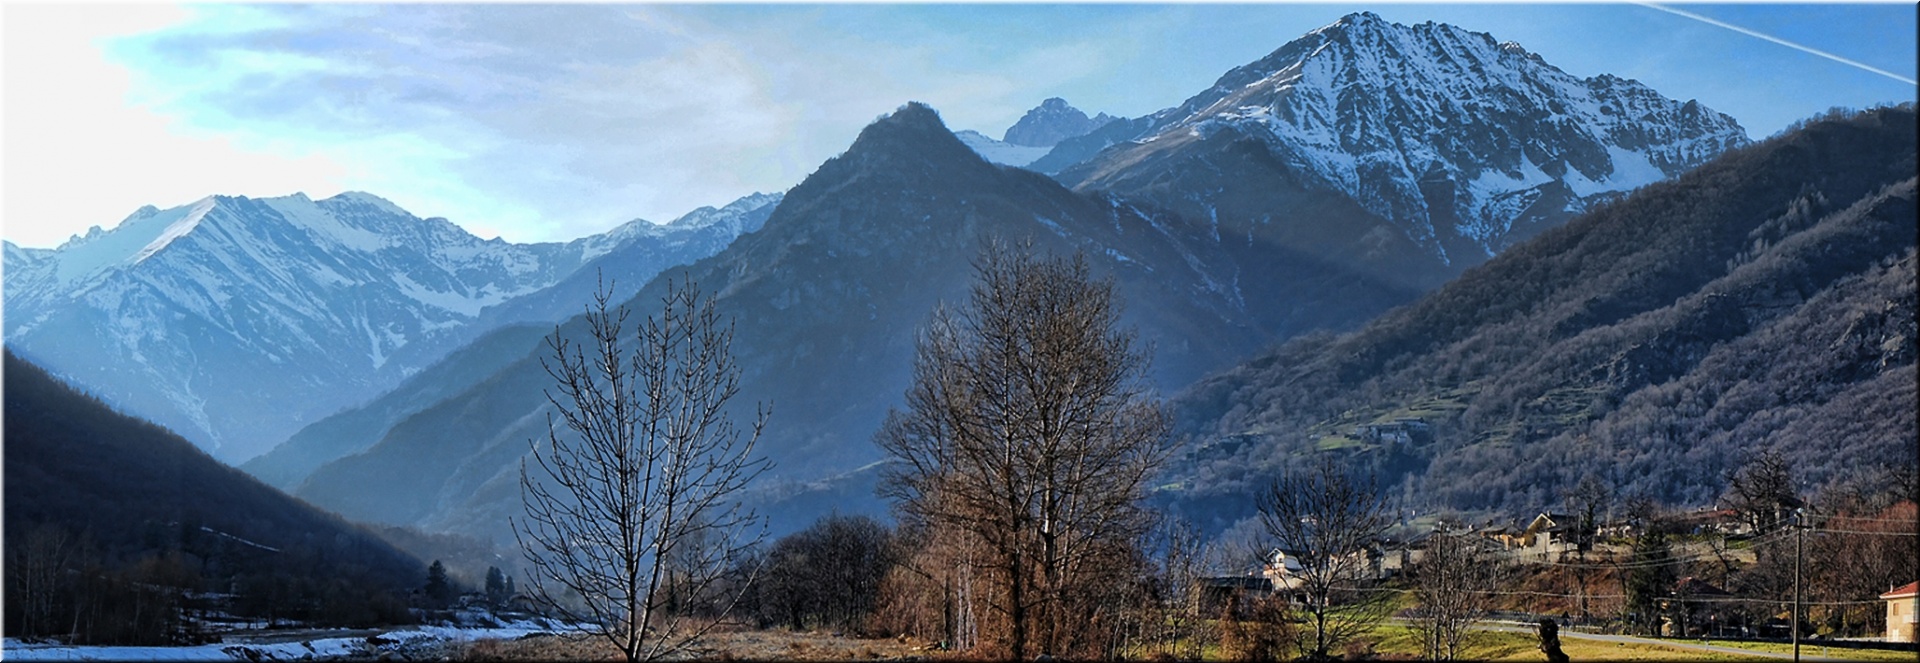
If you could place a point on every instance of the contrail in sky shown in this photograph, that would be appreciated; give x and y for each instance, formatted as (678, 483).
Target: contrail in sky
(1782, 42)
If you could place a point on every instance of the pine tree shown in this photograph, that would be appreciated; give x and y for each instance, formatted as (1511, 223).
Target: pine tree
(1649, 579)
(439, 590)
(496, 586)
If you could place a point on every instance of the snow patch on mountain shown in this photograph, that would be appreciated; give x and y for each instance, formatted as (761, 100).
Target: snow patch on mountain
(1000, 152)
(176, 229)
(1389, 114)
(81, 257)
(1375, 107)
(330, 226)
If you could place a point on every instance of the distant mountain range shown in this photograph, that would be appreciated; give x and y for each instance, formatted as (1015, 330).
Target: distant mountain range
(1345, 174)
(1762, 301)
(827, 298)
(1035, 135)
(236, 321)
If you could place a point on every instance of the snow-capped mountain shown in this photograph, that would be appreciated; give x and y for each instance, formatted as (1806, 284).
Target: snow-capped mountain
(235, 321)
(643, 250)
(1462, 144)
(1054, 120)
(1035, 134)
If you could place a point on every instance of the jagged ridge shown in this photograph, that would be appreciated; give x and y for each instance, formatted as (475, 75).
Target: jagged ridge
(1463, 144)
(234, 321)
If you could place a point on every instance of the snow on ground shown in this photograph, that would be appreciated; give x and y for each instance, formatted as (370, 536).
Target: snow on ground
(329, 647)
(404, 642)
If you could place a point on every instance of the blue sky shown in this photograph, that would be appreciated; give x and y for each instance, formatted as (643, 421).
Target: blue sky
(548, 122)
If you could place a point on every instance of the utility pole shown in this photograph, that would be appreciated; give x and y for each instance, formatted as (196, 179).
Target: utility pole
(1799, 539)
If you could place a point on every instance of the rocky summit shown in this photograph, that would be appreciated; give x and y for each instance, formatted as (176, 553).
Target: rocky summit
(1054, 120)
(1458, 145)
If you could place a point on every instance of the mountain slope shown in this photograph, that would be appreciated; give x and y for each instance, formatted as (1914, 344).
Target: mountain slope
(235, 321)
(353, 429)
(695, 235)
(828, 297)
(1449, 146)
(637, 251)
(135, 489)
(1764, 300)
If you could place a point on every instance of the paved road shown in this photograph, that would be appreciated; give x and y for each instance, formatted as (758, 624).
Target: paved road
(1806, 650)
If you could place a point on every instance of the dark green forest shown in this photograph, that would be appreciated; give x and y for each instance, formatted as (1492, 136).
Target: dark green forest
(1764, 301)
(116, 527)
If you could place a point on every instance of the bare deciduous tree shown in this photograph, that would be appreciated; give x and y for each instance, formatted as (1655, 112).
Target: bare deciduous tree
(930, 592)
(37, 587)
(1329, 519)
(633, 499)
(1174, 625)
(1454, 584)
(1029, 426)
(828, 574)
(1589, 501)
(1762, 491)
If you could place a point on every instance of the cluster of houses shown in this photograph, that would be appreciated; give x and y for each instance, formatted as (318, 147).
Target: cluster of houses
(1402, 431)
(1547, 538)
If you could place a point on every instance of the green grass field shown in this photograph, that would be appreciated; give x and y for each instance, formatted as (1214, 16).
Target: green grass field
(1396, 640)
(1809, 649)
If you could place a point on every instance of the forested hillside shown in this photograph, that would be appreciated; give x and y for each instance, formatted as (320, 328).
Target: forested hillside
(111, 521)
(1762, 301)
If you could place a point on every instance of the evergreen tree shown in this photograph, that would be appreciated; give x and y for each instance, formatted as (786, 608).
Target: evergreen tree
(1649, 579)
(496, 586)
(439, 590)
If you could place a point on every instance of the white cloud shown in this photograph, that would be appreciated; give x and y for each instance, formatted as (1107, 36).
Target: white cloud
(534, 122)
(547, 122)
(78, 155)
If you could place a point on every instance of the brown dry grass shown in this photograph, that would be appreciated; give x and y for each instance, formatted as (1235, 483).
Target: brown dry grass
(730, 645)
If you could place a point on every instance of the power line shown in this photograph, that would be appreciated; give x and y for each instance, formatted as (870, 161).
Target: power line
(1556, 595)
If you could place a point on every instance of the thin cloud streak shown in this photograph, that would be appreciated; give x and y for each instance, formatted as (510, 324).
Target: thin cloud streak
(1782, 42)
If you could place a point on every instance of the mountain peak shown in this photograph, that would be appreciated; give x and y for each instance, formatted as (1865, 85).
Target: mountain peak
(913, 114)
(1354, 24)
(1362, 18)
(912, 133)
(364, 198)
(1054, 120)
(1463, 143)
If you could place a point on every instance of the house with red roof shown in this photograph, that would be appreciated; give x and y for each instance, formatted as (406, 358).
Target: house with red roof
(1903, 612)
